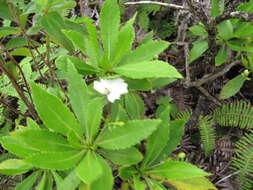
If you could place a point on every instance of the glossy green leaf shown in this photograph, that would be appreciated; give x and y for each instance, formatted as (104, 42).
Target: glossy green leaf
(225, 29)
(70, 182)
(121, 137)
(232, 87)
(28, 182)
(16, 42)
(54, 113)
(56, 160)
(199, 47)
(42, 140)
(77, 89)
(53, 25)
(138, 184)
(177, 170)
(125, 41)
(241, 47)
(127, 156)
(127, 172)
(5, 31)
(160, 82)
(93, 115)
(159, 139)
(17, 147)
(109, 26)
(89, 169)
(105, 181)
(118, 112)
(134, 105)
(221, 57)
(77, 38)
(145, 52)
(197, 183)
(21, 52)
(148, 69)
(176, 134)
(5, 11)
(139, 84)
(14, 166)
(198, 30)
(243, 29)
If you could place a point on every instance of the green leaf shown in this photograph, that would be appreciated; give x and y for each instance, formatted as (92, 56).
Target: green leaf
(89, 169)
(77, 89)
(54, 113)
(21, 52)
(177, 170)
(197, 183)
(148, 69)
(225, 29)
(105, 182)
(138, 184)
(221, 57)
(127, 135)
(16, 42)
(42, 183)
(118, 113)
(176, 134)
(5, 31)
(242, 29)
(5, 11)
(42, 140)
(14, 167)
(127, 156)
(77, 38)
(109, 26)
(53, 25)
(160, 82)
(159, 139)
(134, 105)
(71, 182)
(198, 30)
(145, 52)
(199, 47)
(232, 87)
(93, 115)
(127, 172)
(28, 182)
(58, 179)
(32, 124)
(240, 47)
(17, 147)
(125, 41)
(139, 84)
(56, 160)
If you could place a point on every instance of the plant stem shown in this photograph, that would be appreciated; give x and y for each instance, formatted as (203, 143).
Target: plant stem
(158, 3)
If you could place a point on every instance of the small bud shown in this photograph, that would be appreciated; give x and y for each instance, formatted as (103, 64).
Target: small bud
(181, 155)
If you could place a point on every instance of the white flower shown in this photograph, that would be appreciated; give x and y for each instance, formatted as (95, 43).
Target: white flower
(113, 88)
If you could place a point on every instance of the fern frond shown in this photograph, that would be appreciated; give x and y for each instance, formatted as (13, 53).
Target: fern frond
(235, 114)
(184, 115)
(207, 133)
(243, 161)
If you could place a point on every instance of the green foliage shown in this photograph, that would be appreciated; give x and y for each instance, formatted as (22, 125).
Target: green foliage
(207, 133)
(235, 114)
(243, 162)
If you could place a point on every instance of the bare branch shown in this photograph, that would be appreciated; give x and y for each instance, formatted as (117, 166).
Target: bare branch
(158, 3)
(247, 17)
(210, 77)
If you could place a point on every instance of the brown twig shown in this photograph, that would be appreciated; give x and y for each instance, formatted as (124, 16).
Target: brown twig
(247, 17)
(210, 77)
(29, 105)
(179, 7)
(208, 95)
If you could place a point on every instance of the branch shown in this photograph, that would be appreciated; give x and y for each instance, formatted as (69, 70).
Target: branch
(158, 3)
(247, 17)
(210, 77)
